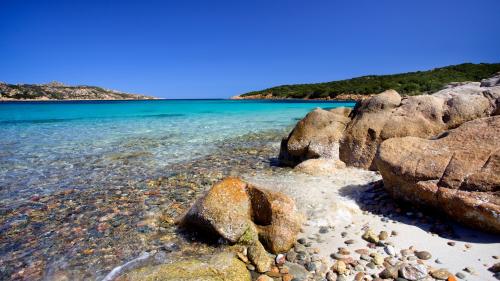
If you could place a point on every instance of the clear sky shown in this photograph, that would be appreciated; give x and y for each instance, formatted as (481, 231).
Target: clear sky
(214, 49)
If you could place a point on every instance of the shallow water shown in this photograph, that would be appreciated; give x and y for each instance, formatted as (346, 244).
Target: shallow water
(87, 186)
(48, 146)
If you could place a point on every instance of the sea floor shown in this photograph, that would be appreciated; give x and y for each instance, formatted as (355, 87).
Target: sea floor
(80, 234)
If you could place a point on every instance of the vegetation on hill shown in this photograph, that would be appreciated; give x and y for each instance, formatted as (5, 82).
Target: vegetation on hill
(59, 91)
(411, 83)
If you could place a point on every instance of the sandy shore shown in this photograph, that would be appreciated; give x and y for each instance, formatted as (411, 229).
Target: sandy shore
(342, 206)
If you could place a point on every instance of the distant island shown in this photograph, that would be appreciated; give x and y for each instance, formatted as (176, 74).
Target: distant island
(411, 83)
(59, 91)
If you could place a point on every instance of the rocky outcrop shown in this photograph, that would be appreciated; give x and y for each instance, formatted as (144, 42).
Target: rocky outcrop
(315, 136)
(240, 212)
(217, 268)
(457, 172)
(59, 91)
(387, 115)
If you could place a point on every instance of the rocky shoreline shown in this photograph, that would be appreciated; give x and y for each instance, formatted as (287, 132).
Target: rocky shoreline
(373, 193)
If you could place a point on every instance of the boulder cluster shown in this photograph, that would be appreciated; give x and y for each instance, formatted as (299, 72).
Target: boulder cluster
(439, 150)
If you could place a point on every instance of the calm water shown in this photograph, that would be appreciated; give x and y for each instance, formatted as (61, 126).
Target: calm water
(48, 146)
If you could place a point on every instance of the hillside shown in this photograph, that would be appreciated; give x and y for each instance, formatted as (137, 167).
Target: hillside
(411, 83)
(59, 91)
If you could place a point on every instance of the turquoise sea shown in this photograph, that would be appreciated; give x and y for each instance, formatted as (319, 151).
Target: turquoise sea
(48, 146)
(86, 186)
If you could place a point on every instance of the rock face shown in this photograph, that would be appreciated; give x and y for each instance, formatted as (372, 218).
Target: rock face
(218, 268)
(315, 136)
(235, 210)
(457, 172)
(387, 116)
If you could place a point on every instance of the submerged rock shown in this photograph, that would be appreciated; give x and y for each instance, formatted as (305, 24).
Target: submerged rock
(236, 210)
(458, 172)
(315, 136)
(217, 268)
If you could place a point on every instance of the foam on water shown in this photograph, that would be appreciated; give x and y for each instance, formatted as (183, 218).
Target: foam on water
(47, 146)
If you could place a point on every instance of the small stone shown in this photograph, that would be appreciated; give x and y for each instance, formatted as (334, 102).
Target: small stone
(264, 278)
(359, 276)
(468, 246)
(337, 256)
(287, 277)
(383, 235)
(451, 243)
(331, 276)
(413, 271)
(460, 275)
(302, 241)
(359, 267)
(377, 259)
(280, 259)
(323, 230)
(365, 257)
(394, 233)
(390, 250)
(438, 261)
(343, 234)
(370, 236)
(250, 267)
(423, 255)
(362, 251)
(469, 270)
(495, 268)
(310, 266)
(349, 242)
(440, 274)
(390, 272)
(370, 265)
(339, 267)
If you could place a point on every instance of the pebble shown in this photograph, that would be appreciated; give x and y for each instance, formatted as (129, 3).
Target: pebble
(264, 278)
(250, 267)
(451, 243)
(323, 230)
(470, 270)
(349, 242)
(370, 236)
(302, 241)
(438, 261)
(280, 259)
(370, 265)
(310, 266)
(390, 272)
(413, 271)
(339, 267)
(423, 255)
(383, 235)
(390, 250)
(377, 259)
(365, 257)
(337, 256)
(359, 267)
(440, 274)
(331, 276)
(460, 275)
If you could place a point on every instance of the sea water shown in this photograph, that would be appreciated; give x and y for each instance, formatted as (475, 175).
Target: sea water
(49, 146)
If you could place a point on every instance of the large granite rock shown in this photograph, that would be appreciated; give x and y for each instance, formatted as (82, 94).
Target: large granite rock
(234, 210)
(221, 267)
(457, 172)
(315, 136)
(387, 116)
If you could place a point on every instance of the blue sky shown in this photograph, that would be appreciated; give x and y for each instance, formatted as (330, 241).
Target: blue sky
(216, 49)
